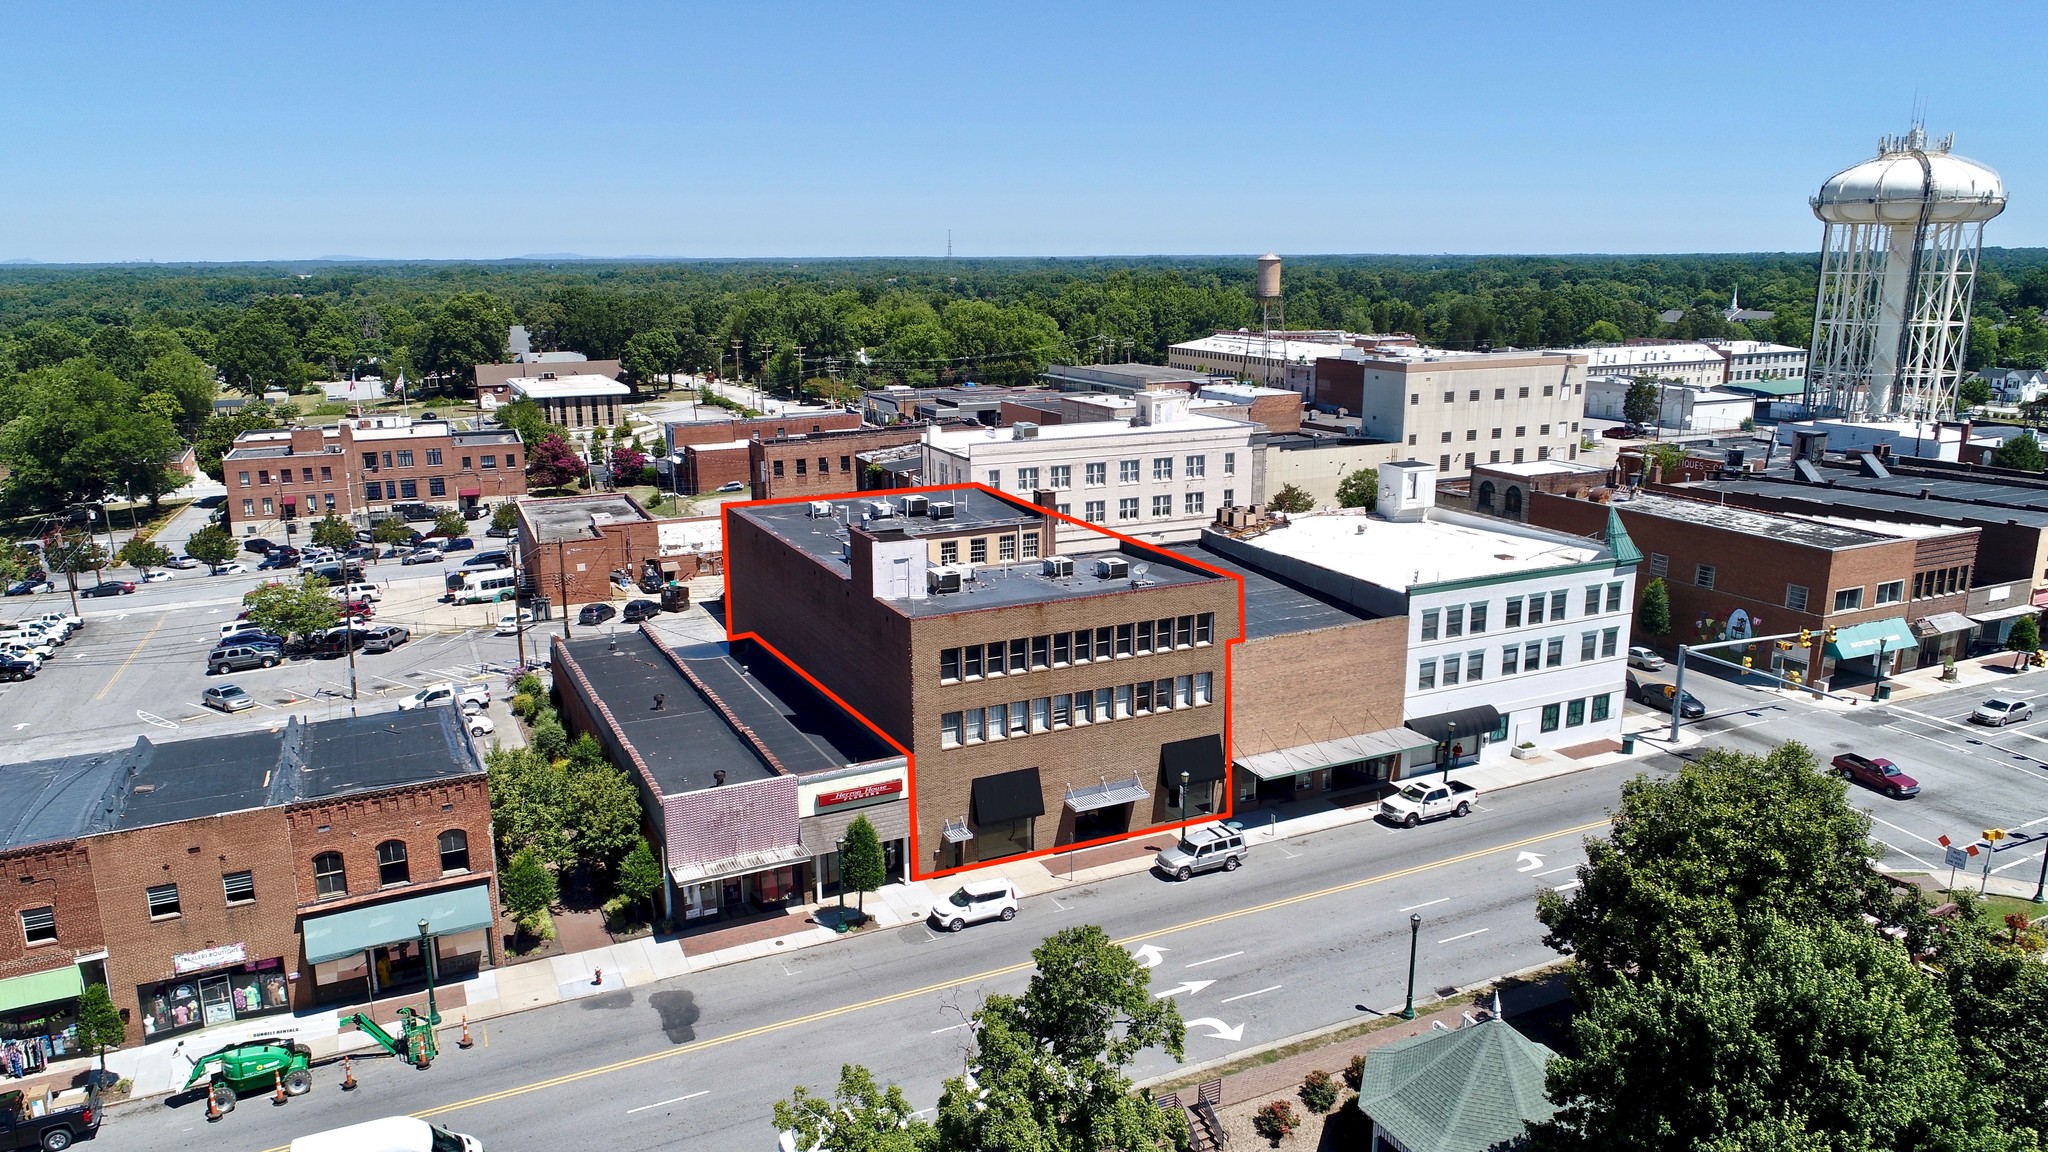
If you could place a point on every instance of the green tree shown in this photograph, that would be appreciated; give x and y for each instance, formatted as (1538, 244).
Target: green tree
(1602, 332)
(391, 530)
(528, 794)
(1360, 488)
(1653, 610)
(602, 812)
(650, 356)
(449, 523)
(184, 377)
(217, 433)
(1999, 997)
(526, 418)
(1292, 499)
(331, 531)
(527, 885)
(1819, 1035)
(211, 546)
(74, 553)
(77, 432)
(2024, 636)
(301, 608)
(2022, 452)
(862, 866)
(16, 562)
(1688, 859)
(639, 876)
(1973, 393)
(467, 330)
(862, 1117)
(99, 1023)
(259, 351)
(1049, 1066)
(142, 554)
(1639, 403)
(505, 517)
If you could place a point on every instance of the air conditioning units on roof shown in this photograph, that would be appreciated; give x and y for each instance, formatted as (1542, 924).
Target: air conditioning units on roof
(914, 505)
(821, 509)
(1112, 568)
(940, 510)
(938, 581)
(1057, 566)
(880, 509)
(1024, 430)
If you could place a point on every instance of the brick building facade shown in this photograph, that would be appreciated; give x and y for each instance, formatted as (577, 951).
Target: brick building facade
(820, 464)
(360, 467)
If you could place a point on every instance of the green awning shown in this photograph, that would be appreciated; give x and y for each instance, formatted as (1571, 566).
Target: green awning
(42, 988)
(447, 912)
(1862, 641)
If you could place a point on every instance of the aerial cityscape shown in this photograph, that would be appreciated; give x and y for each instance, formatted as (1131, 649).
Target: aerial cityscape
(919, 581)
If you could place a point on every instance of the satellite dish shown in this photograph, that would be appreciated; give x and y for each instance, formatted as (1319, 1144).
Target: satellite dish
(1138, 572)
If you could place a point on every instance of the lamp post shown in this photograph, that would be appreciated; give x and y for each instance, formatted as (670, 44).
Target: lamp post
(1414, 937)
(1183, 805)
(839, 862)
(2041, 885)
(1450, 746)
(433, 1013)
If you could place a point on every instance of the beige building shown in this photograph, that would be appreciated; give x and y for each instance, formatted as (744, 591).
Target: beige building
(1459, 409)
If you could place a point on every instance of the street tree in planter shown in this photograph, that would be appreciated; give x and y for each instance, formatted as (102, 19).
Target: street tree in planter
(639, 875)
(331, 531)
(528, 887)
(862, 866)
(449, 523)
(211, 546)
(142, 554)
(2024, 637)
(1653, 614)
(99, 1023)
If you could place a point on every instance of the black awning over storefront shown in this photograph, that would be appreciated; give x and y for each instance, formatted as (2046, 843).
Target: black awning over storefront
(1201, 757)
(1008, 796)
(1471, 723)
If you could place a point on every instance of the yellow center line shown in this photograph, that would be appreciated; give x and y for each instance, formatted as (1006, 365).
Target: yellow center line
(143, 643)
(980, 977)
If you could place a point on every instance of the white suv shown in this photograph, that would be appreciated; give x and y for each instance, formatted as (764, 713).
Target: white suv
(975, 901)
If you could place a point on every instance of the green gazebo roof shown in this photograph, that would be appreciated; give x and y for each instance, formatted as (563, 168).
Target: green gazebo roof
(1467, 1090)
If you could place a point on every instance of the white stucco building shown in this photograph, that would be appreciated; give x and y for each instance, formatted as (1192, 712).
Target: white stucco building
(1752, 360)
(1685, 361)
(1158, 478)
(1515, 634)
(1681, 407)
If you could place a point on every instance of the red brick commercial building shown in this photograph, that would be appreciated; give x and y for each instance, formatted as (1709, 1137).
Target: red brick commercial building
(233, 877)
(362, 466)
(569, 546)
(1046, 701)
(493, 381)
(820, 464)
(708, 454)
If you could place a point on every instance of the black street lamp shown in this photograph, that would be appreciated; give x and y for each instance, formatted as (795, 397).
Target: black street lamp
(1450, 746)
(839, 862)
(2041, 885)
(1414, 937)
(1183, 805)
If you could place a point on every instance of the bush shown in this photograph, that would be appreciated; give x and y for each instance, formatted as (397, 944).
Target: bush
(522, 705)
(1276, 1121)
(538, 925)
(530, 684)
(527, 886)
(550, 739)
(1354, 1072)
(1319, 1091)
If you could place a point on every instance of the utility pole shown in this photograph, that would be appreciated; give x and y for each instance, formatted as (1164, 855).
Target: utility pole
(518, 613)
(562, 587)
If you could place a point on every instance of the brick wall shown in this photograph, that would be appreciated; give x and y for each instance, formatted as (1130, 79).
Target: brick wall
(765, 427)
(1357, 685)
(579, 571)
(785, 468)
(2006, 551)
(57, 876)
(709, 467)
(354, 826)
(1278, 413)
(309, 475)
(193, 854)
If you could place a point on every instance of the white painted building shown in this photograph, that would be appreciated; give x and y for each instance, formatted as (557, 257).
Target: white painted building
(1751, 360)
(1684, 361)
(1516, 634)
(1681, 407)
(1159, 478)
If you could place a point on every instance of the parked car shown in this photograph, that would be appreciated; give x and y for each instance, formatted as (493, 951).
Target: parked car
(16, 668)
(182, 563)
(1203, 849)
(238, 657)
(511, 622)
(384, 638)
(362, 554)
(30, 586)
(231, 568)
(424, 554)
(498, 532)
(974, 902)
(1420, 800)
(275, 560)
(479, 724)
(29, 654)
(51, 1120)
(495, 558)
(471, 696)
(110, 588)
(340, 640)
(228, 698)
(457, 544)
(1663, 696)
(1646, 659)
(156, 576)
(411, 511)
(595, 614)
(731, 486)
(1998, 712)
(1878, 773)
(358, 590)
(638, 610)
(258, 545)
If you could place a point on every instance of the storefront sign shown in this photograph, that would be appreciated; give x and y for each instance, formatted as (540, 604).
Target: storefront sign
(209, 958)
(865, 794)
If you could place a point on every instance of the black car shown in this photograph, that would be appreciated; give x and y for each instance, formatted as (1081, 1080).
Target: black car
(638, 610)
(338, 641)
(30, 586)
(13, 669)
(413, 511)
(594, 614)
(500, 533)
(258, 545)
(110, 588)
(260, 639)
(1689, 706)
(277, 558)
(457, 544)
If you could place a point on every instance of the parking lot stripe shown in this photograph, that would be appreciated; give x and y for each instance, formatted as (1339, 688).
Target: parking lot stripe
(139, 646)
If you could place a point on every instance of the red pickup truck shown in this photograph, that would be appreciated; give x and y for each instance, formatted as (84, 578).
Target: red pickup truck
(1880, 774)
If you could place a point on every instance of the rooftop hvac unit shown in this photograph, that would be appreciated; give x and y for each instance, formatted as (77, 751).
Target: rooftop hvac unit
(938, 581)
(880, 509)
(600, 519)
(821, 509)
(940, 510)
(914, 505)
(1024, 430)
(1057, 566)
(1112, 568)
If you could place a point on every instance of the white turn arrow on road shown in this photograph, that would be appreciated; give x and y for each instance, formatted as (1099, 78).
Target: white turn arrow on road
(1149, 955)
(1529, 862)
(1218, 1029)
(1189, 987)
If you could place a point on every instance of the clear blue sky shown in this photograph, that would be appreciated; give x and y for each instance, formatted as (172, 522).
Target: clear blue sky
(193, 131)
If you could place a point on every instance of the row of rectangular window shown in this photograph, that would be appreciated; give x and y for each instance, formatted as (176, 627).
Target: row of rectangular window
(1521, 430)
(1457, 619)
(1514, 658)
(1020, 718)
(1096, 475)
(487, 462)
(403, 489)
(1472, 397)
(1575, 711)
(1493, 457)
(824, 466)
(313, 500)
(977, 548)
(1939, 583)
(1060, 649)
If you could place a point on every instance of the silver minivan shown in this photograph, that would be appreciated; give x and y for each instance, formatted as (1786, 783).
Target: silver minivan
(1204, 849)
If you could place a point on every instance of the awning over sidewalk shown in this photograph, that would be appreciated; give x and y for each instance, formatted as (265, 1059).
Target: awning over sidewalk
(1285, 762)
(1201, 757)
(1463, 724)
(1107, 794)
(469, 493)
(1941, 624)
(2008, 612)
(41, 988)
(1861, 641)
(348, 932)
(701, 871)
(1008, 796)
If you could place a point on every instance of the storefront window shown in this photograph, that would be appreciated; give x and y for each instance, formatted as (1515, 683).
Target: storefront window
(216, 996)
(1003, 838)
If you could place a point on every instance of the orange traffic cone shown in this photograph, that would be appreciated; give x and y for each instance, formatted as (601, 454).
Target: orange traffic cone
(348, 1076)
(465, 1041)
(597, 976)
(279, 1098)
(213, 1111)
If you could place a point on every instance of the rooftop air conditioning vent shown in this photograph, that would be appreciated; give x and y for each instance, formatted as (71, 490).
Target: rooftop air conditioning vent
(939, 581)
(940, 510)
(1024, 430)
(821, 509)
(880, 510)
(914, 505)
(1112, 568)
(1057, 566)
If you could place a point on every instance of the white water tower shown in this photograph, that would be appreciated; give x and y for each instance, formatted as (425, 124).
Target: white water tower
(1898, 266)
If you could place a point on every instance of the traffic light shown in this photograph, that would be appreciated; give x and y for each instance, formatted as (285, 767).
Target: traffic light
(1806, 637)
(1831, 634)
(1784, 645)
(1671, 691)
(2039, 659)
(1994, 835)
(1793, 675)
(1748, 662)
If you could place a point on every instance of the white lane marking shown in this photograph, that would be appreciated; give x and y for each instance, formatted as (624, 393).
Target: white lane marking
(1438, 900)
(1529, 862)
(1249, 995)
(949, 1028)
(672, 1100)
(1550, 871)
(1907, 831)
(1213, 959)
(1463, 936)
(1186, 987)
(1566, 886)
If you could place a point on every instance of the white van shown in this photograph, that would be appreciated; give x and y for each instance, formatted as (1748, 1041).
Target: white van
(234, 626)
(391, 1134)
(356, 591)
(485, 586)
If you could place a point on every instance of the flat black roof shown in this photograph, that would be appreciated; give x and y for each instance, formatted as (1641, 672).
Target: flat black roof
(386, 750)
(1274, 606)
(187, 779)
(1846, 500)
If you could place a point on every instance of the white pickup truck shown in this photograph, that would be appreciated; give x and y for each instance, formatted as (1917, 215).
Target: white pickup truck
(469, 697)
(1420, 800)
